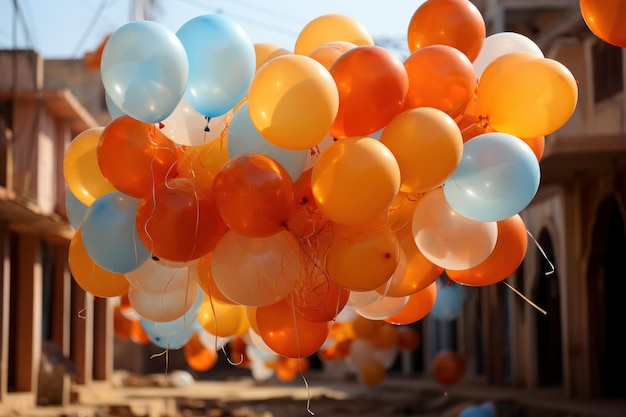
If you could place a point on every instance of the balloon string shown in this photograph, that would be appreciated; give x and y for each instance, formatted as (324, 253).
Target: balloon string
(542, 311)
(552, 269)
(167, 359)
(221, 344)
(306, 384)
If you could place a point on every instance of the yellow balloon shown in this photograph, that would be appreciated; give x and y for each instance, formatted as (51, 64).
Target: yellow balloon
(221, 319)
(330, 28)
(328, 53)
(535, 98)
(355, 180)
(266, 51)
(428, 146)
(495, 73)
(361, 258)
(80, 167)
(293, 101)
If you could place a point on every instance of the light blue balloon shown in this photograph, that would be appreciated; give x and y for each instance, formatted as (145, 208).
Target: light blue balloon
(498, 176)
(449, 302)
(144, 70)
(112, 108)
(109, 233)
(176, 333)
(243, 137)
(75, 209)
(222, 62)
(476, 411)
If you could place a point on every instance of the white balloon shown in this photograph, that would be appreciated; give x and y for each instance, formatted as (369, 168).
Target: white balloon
(186, 126)
(500, 44)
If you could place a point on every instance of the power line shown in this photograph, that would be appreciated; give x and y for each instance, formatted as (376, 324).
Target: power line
(90, 27)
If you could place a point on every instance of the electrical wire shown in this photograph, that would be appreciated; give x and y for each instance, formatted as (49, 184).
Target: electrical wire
(90, 27)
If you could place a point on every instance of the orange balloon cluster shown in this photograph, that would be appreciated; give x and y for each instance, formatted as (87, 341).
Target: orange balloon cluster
(326, 190)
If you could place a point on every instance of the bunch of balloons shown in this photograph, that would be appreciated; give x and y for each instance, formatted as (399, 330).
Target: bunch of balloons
(244, 189)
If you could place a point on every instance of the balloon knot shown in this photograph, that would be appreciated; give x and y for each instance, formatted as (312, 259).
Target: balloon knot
(161, 125)
(450, 283)
(155, 258)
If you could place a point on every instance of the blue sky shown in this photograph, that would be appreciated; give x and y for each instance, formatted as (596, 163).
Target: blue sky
(68, 28)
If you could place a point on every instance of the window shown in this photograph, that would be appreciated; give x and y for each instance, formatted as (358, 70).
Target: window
(608, 78)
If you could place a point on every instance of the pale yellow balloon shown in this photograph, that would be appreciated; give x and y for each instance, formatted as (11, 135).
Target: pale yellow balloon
(330, 28)
(293, 101)
(266, 51)
(221, 319)
(80, 167)
(535, 98)
(328, 53)
(355, 180)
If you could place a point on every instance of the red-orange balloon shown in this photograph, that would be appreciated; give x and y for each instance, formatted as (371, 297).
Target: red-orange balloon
(418, 306)
(121, 324)
(318, 298)
(372, 84)
(198, 357)
(135, 156)
(606, 20)
(457, 23)
(91, 277)
(287, 333)
(505, 258)
(138, 334)
(408, 339)
(537, 144)
(442, 77)
(448, 367)
(179, 220)
(255, 195)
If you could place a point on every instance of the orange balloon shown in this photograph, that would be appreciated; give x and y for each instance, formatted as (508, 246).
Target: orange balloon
(448, 367)
(428, 146)
(330, 28)
(420, 272)
(328, 53)
(121, 324)
(135, 156)
(318, 298)
(417, 307)
(202, 163)
(365, 328)
(442, 77)
(606, 20)
(307, 223)
(537, 144)
(408, 339)
(372, 373)
(266, 51)
(91, 277)
(179, 221)
(206, 281)
(386, 336)
(355, 180)
(506, 257)
(373, 84)
(255, 195)
(361, 258)
(138, 334)
(456, 23)
(198, 357)
(287, 333)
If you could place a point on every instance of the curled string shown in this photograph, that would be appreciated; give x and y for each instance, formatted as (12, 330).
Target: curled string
(306, 384)
(167, 359)
(551, 271)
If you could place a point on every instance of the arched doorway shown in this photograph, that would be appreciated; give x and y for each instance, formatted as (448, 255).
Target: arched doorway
(606, 287)
(548, 339)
